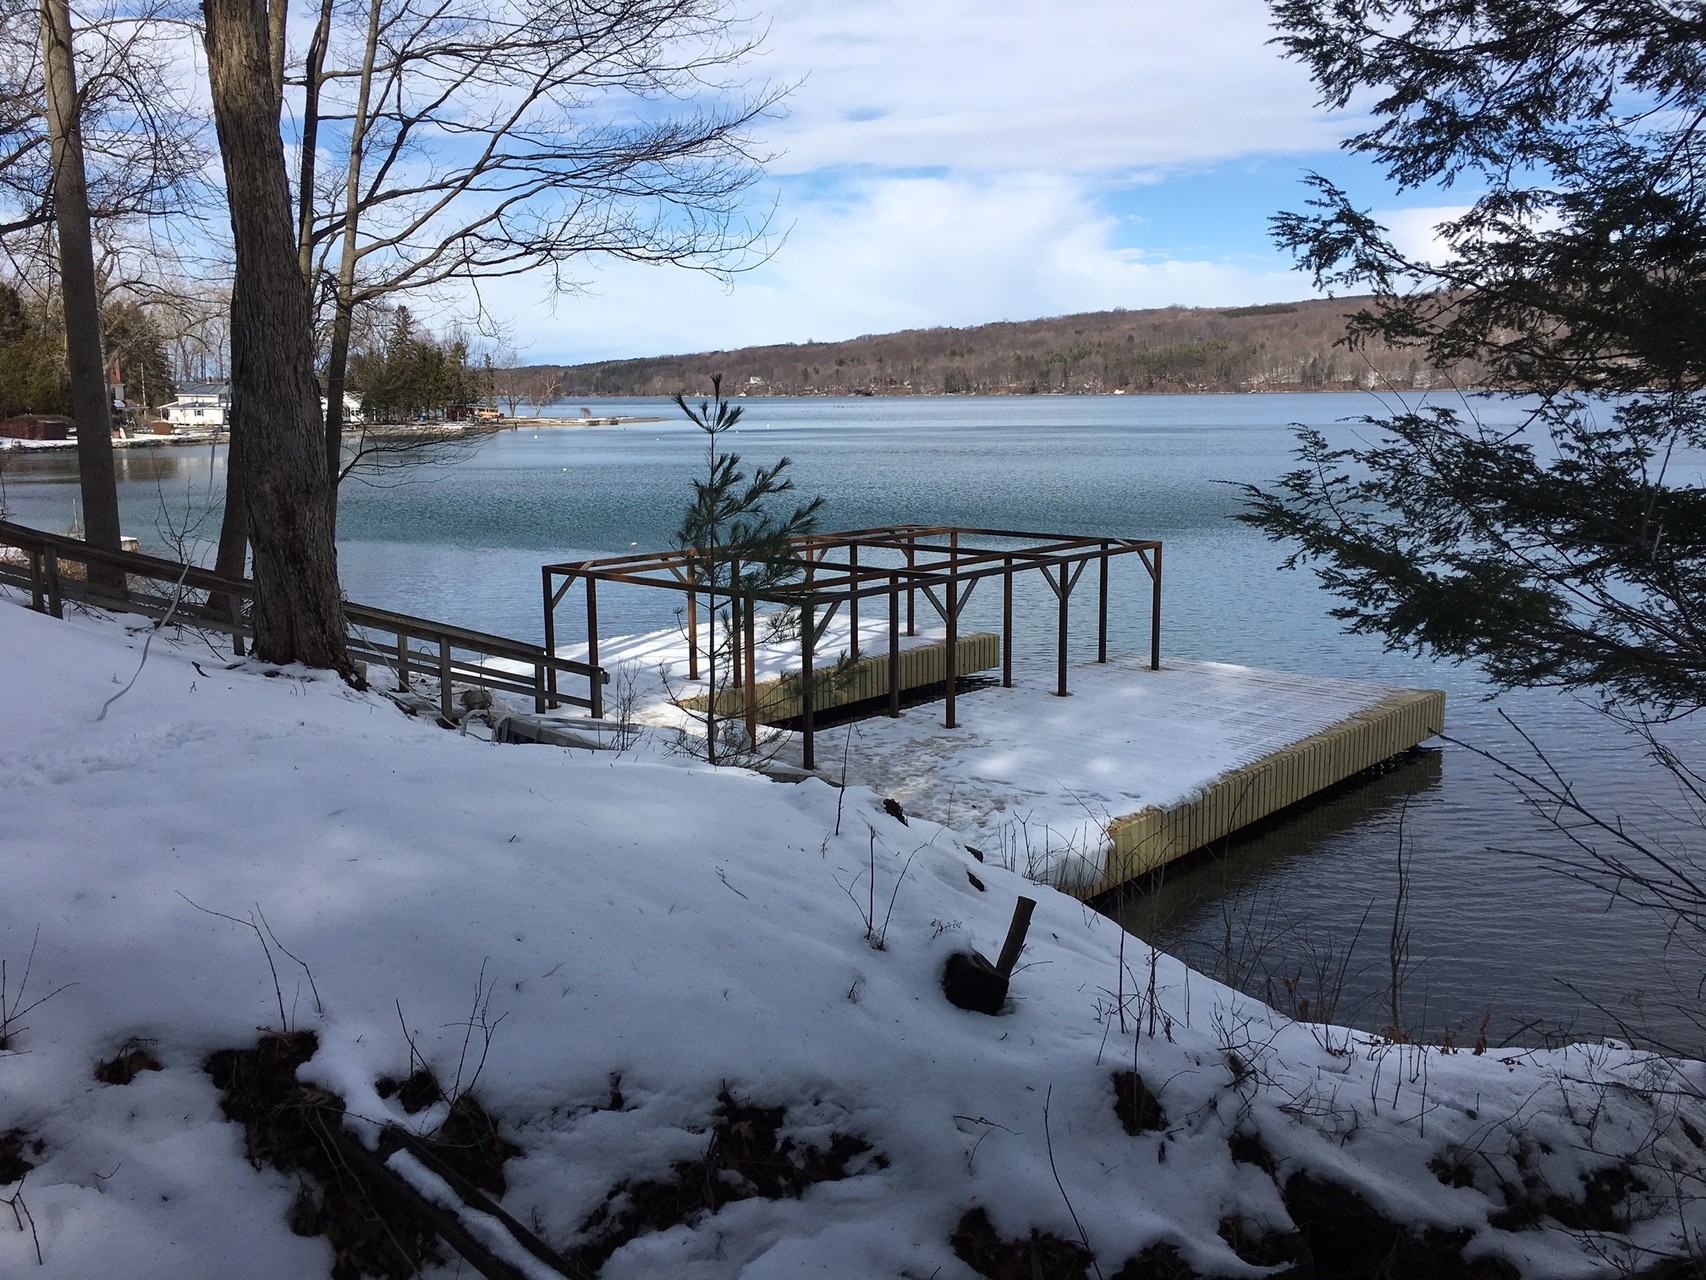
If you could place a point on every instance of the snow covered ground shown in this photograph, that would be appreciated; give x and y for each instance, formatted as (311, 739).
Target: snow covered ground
(686, 934)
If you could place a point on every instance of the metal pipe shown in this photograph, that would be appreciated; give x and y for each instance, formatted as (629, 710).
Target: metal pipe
(894, 646)
(595, 680)
(693, 619)
(1102, 609)
(1155, 615)
(751, 681)
(550, 634)
(1063, 593)
(808, 644)
(1007, 626)
(853, 599)
(952, 656)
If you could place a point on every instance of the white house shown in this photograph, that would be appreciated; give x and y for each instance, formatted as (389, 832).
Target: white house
(352, 408)
(200, 406)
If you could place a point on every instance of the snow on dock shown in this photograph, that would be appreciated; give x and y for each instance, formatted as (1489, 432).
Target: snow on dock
(1135, 769)
(1138, 767)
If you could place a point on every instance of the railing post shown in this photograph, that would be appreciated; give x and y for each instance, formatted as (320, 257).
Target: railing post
(402, 659)
(55, 605)
(38, 580)
(446, 703)
(738, 634)
(235, 603)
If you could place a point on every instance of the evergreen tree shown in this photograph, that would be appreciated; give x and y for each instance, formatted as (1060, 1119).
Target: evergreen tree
(738, 544)
(1573, 552)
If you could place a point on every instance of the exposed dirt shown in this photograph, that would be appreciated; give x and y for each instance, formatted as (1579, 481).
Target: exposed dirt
(132, 1059)
(1160, 1261)
(1139, 1110)
(1349, 1239)
(284, 1124)
(745, 1158)
(16, 1147)
(1039, 1256)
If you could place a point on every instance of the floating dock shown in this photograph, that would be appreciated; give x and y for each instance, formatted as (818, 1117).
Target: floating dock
(1138, 768)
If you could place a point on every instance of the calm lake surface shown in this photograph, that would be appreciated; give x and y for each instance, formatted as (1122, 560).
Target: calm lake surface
(1492, 933)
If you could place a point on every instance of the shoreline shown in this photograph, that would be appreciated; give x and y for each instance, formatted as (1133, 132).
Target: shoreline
(188, 439)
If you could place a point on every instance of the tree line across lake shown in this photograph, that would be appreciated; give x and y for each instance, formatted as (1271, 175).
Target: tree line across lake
(1293, 346)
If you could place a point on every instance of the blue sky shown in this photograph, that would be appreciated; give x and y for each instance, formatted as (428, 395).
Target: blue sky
(959, 161)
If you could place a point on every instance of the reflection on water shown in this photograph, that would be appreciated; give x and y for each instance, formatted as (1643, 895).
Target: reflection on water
(1489, 930)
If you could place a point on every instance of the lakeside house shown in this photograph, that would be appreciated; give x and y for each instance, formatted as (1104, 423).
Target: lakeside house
(200, 406)
(206, 406)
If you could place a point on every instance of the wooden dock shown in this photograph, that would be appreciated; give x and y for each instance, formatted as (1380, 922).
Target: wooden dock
(1138, 768)
(1144, 841)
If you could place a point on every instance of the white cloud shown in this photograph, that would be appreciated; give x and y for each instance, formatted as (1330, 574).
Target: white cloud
(957, 161)
(1016, 85)
(1415, 232)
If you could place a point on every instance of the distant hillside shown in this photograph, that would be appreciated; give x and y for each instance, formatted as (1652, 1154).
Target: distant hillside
(1278, 347)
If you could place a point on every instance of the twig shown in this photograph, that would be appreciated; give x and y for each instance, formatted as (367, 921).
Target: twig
(1048, 1139)
(21, 1214)
(13, 1007)
(277, 986)
(177, 595)
(478, 1016)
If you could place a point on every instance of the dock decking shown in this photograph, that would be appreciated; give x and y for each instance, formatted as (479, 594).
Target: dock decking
(1139, 767)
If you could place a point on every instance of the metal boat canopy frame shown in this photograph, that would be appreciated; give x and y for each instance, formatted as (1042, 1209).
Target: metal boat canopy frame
(943, 563)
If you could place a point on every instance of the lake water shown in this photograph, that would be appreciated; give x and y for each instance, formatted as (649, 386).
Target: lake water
(1492, 933)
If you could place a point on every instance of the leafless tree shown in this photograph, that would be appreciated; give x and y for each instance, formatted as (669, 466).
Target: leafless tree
(545, 387)
(447, 141)
(91, 404)
(509, 381)
(278, 466)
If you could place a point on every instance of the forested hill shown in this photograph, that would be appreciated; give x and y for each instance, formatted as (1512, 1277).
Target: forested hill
(1277, 347)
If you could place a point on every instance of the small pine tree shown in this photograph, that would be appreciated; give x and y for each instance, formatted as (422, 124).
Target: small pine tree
(738, 543)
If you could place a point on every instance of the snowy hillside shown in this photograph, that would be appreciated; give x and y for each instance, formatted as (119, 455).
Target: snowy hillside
(703, 1012)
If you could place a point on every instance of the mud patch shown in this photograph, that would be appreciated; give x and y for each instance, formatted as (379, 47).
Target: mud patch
(1039, 1256)
(285, 1126)
(1348, 1237)
(1160, 1261)
(16, 1148)
(133, 1058)
(1139, 1110)
(746, 1158)
(1604, 1205)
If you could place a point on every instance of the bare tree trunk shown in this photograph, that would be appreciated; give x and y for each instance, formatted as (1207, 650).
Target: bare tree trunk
(275, 405)
(343, 317)
(90, 400)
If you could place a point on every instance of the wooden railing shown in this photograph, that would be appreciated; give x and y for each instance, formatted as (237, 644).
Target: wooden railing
(53, 569)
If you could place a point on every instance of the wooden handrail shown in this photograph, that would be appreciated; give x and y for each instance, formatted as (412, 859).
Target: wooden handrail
(48, 585)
